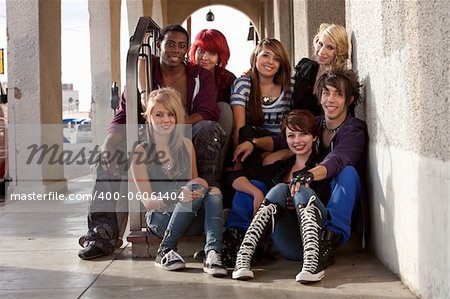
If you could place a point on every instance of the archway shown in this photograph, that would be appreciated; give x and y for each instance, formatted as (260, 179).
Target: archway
(236, 32)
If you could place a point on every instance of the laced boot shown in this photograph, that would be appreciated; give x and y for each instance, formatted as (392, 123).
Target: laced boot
(262, 224)
(311, 223)
(330, 242)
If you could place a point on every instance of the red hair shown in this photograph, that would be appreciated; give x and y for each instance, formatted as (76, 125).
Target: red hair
(211, 40)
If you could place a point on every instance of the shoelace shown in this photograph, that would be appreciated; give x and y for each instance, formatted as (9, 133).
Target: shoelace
(253, 234)
(214, 258)
(310, 232)
(171, 256)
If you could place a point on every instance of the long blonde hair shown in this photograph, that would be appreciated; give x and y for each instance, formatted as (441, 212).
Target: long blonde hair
(338, 36)
(170, 98)
(282, 77)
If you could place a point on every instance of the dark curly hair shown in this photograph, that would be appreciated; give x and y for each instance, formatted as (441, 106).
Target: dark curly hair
(346, 82)
(175, 28)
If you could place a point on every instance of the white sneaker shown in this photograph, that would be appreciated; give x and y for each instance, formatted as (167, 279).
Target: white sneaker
(242, 274)
(170, 261)
(306, 277)
(213, 264)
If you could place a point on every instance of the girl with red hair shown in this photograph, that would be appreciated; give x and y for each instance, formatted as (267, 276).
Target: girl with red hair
(210, 50)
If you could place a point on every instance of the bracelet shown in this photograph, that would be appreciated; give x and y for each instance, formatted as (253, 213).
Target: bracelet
(144, 91)
(252, 141)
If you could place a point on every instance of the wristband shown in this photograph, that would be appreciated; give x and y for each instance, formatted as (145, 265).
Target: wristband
(252, 141)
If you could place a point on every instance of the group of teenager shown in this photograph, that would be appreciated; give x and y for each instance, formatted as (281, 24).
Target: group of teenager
(289, 146)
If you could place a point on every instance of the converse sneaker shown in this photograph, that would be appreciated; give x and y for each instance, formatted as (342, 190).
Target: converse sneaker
(213, 265)
(199, 256)
(169, 260)
(311, 227)
(263, 223)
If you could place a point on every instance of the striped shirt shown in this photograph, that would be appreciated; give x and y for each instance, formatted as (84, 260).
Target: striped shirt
(273, 112)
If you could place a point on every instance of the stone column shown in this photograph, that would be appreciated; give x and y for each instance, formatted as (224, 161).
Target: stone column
(266, 19)
(135, 10)
(307, 17)
(104, 24)
(282, 23)
(34, 83)
(157, 12)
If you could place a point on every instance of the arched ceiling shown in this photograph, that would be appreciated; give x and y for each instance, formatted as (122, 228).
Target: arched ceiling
(177, 11)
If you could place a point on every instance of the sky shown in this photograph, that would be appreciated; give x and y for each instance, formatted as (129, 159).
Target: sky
(75, 50)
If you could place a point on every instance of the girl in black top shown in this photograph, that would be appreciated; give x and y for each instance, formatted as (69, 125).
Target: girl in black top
(330, 51)
(283, 213)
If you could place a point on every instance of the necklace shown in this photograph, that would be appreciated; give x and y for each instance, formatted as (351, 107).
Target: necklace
(324, 125)
(168, 166)
(268, 99)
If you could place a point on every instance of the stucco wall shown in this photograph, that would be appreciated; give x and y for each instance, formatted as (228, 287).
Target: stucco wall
(401, 51)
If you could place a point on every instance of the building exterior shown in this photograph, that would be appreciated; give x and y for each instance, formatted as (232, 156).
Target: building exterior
(70, 100)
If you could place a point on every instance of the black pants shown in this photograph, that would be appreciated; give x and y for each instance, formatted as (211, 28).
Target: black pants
(102, 216)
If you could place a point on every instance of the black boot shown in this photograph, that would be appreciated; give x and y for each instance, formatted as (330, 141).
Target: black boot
(263, 224)
(311, 223)
(330, 242)
(232, 240)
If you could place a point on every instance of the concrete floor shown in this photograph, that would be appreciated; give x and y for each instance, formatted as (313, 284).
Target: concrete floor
(38, 259)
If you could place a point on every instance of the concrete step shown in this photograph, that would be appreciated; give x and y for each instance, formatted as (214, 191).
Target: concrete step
(145, 244)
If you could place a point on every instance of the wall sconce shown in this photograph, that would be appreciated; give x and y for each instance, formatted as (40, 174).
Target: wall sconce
(251, 32)
(210, 16)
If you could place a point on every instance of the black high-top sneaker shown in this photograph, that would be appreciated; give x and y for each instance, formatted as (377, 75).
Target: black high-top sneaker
(262, 224)
(213, 264)
(168, 259)
(330, 242)
(311, 223)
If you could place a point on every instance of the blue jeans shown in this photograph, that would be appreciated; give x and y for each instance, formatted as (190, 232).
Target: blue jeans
(241, 213)
(338, 213)
(345, 189)
(208, 138)
(286, 235)
(190, 219)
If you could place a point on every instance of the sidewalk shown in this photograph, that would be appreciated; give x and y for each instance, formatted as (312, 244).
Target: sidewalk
(38, 259)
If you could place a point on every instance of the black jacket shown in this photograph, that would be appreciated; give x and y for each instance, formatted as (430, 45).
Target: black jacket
(273, 174)
(305, 79)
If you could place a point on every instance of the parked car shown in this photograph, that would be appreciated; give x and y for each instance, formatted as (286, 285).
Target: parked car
(77, 130)
(84, 131)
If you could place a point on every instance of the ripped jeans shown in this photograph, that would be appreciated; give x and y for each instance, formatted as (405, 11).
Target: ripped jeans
(208, 138)
(190, 219)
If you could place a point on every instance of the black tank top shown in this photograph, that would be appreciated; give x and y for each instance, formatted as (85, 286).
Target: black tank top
(163, 179)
